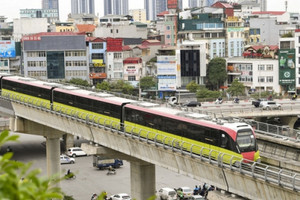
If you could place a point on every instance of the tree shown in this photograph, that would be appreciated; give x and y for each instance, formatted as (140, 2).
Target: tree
(147, 82)
(216, 72)
(78, 81)
(17, 182)
(236, 88)
(203, 92)
(192, 86)
(103, 86)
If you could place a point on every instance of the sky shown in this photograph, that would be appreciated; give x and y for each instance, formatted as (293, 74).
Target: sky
(10, 8)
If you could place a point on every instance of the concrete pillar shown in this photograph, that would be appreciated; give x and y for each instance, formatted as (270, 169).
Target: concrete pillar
(68, 141)
(142, 180)
(53, 156)
(289, 120)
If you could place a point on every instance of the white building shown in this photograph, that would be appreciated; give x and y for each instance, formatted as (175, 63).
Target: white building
(138, 15)
(258, 74)
(25, 26)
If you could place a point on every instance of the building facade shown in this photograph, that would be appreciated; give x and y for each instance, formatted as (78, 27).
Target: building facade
(154, 7)
(52, 15)
(116, 7)
(55, 56)
(138, 15)
(82, 7)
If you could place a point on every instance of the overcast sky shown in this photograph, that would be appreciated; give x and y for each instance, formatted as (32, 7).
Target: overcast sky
(10, 8)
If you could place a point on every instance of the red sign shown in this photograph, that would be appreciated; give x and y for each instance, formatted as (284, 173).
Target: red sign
(172, 4)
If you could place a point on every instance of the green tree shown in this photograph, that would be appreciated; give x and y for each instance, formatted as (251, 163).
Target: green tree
(18, 183)
(78, 81)
(192, 86)
(104, 85)
(236, 88)
(147, 82)
(203, 93)
(216, 72)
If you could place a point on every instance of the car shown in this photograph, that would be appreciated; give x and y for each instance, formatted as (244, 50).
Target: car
(257, 102)
(66, 160)
(167, 194)
(121, 196)
(196, 197)
(75, 151)
(192, 104)
(269, 105)
(186, 191)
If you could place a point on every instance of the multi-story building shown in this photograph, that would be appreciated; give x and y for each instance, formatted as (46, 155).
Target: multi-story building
(82, 7)
(138, 15)
(154, 7)
(55, 56)
(117, 26)
(234, 36)
(255, 74)
(195, 3)
(116, 7)
(97, 60)
(114, 59)
(6, 29)
(50, 4)
(52, 15)
(133, 67)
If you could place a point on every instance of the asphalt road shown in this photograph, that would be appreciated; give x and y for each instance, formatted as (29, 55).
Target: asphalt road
(90, 180)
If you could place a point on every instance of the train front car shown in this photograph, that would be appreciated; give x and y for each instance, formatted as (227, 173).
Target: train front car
(246, 142)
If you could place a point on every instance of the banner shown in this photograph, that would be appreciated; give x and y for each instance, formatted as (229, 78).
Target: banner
(7, 49)
(287, 68)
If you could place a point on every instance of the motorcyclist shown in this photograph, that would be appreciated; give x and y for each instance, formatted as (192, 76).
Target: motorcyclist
(94, 196)
(236, 100)
(219, 100)
(294, 97)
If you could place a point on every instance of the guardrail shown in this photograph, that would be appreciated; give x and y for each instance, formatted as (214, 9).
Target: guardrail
(275, 175)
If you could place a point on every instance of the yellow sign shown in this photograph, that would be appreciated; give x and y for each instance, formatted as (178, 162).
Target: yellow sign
(98, 63)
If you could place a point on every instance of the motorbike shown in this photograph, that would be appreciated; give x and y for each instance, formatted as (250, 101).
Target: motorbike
(219, 101)
(294, 97)
(236, 100)
(111, 171)
(70, 175)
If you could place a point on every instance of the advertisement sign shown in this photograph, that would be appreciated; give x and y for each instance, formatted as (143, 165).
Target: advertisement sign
(98, 63)
(166, 83)
(7, 49)
(287, 68)
(172, 4)
(131, 70)
(166, 65)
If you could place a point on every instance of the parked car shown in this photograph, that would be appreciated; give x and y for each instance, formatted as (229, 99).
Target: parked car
(167, 194)
(196, 197)
(66, 160)
(76, 151)
(121, 196)
(192, 104)
(269, 105)
(187, 191)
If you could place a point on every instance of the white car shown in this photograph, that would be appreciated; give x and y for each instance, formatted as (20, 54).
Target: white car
(121, 196)
(75, 151)
(66, 160)
(167, 194)
(269, 105)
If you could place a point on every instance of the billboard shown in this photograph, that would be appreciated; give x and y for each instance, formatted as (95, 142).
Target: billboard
(172, 4)
(166, 65)
(166, 83)
(7, 49)
(98, 63)
(287, 68)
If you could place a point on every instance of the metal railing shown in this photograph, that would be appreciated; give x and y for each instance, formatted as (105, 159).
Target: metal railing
(275, 175)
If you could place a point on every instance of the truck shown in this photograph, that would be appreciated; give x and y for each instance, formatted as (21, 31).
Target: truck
(103, 162)
(182, 98)
(256, 103)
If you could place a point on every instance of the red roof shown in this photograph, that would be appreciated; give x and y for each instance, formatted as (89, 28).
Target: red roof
(256, 47)
(114, 44)
(95, 39)
(142, 47)
(151, 42)
(163, 13)
(86, 28)
(222, 5)
(268, 13)
(297, 30)
(126, 48)
(133, 60)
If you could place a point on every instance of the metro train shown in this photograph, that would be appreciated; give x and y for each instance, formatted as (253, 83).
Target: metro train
(190, 131)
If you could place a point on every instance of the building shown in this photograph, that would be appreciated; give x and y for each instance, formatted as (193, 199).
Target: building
(97, 60)
(116, 7)
(50, 4)
(154, 7)
(52, 15)
(195, 3)
(234, 36)
(117, 26)
(133, 67)
(83, 7)
(25, 26)
(255, 74)
(55, 56)
(114, 59)
(138, 15)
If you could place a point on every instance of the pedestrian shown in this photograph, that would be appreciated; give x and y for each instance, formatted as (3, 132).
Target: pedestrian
(196, 190)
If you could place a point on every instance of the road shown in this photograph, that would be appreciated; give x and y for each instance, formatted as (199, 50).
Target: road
(90, 180)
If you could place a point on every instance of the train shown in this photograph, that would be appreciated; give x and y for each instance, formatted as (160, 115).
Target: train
(186, 130)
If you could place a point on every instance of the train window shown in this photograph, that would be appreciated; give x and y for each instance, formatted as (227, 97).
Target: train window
(245, 140)
(224, 141)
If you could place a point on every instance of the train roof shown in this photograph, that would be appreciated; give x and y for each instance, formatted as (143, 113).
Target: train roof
(28, 81)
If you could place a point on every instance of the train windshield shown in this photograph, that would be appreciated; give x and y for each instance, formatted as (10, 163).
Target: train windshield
(246, 140)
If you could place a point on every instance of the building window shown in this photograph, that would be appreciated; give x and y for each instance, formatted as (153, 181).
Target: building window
(269, 67)
(131, 78)
(97, 56)
(117, 55)
(269, 79)
(261, 67)
(299, 39)
(261, 79)
(97, 46)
